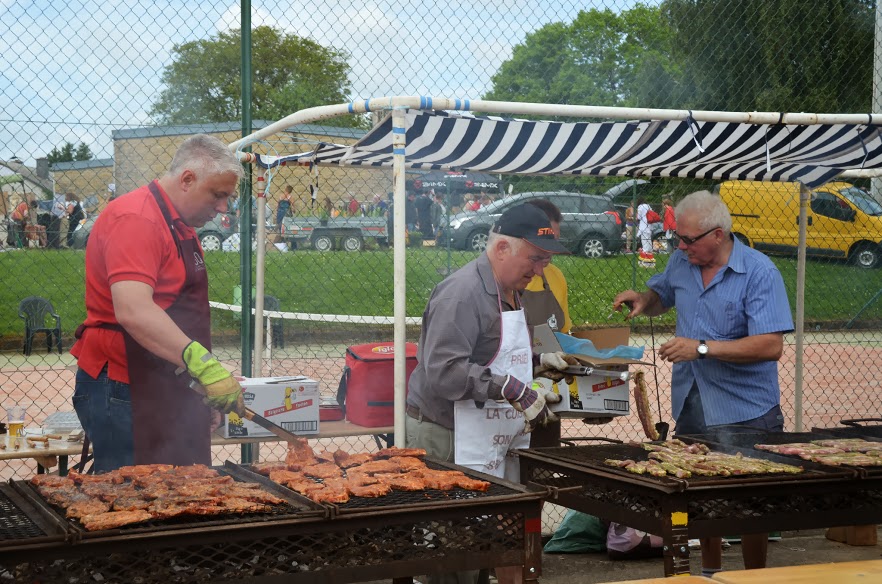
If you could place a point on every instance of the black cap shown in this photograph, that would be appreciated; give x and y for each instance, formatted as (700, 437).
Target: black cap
(529, 222)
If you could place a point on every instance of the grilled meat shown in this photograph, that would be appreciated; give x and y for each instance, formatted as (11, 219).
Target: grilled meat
(376, 466)
(377, 490)
(80, 509)
(346, 460)
(154, 491)
(678, 459)
(114, 519)
(299, 453)
(130, 472)
(641, 403)
(265, 468)
(325, 470)
(48, 480)
(327, 495)
(390, 452)
(407, 463)
(401, 482)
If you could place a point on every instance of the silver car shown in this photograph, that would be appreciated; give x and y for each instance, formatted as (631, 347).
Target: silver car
(211, 235)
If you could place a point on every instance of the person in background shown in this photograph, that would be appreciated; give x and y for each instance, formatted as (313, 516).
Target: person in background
(21, 216)
(545, 302)
(75, 214)
(732, 313)
(148, 318)
(486, 200)
(474, 204)
(53, 229)
(284, 207)
(475, 348)
(423, 205)
(644, 232)
(354, 207)
(629, 228)
(439, 216)
(669, 222)
(411, 217)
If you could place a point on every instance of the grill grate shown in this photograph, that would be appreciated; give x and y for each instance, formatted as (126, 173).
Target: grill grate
(747, 440)
(15, 523)
(593, 456)
(397, 498)
(294, 507)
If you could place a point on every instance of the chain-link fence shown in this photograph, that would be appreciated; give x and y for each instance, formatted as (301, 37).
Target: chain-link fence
(95, 98)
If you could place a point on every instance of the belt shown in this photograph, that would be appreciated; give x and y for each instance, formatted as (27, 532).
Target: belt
(415, 413)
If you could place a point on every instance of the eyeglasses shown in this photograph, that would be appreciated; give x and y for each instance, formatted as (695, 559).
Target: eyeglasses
(691, 240)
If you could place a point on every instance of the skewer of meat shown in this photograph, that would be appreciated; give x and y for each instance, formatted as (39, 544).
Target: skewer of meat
(641, 403)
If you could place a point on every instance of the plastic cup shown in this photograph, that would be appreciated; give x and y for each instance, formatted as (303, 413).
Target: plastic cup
(15, 417)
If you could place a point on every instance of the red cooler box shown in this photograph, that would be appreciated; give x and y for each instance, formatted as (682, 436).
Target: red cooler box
(366, 389)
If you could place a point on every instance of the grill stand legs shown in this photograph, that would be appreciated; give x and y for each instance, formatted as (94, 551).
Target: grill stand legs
(675, 538)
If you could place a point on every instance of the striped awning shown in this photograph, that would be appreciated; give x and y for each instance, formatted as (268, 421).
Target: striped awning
(812, 154)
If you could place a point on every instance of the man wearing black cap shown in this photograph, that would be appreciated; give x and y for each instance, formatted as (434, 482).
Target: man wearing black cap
(475, 349)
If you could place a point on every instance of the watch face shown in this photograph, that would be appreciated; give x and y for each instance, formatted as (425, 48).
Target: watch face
(702, 349)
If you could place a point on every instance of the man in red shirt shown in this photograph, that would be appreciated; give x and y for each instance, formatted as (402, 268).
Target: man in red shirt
(148, 321)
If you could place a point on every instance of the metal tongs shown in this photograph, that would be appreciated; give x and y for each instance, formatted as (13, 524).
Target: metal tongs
(584, 370)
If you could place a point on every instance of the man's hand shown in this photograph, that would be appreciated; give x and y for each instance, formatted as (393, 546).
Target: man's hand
(531, 402)
(222, 391)
(634, 302)
(552, 365)
(679, 349)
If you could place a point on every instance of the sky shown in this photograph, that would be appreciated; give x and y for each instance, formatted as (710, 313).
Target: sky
(75, 71)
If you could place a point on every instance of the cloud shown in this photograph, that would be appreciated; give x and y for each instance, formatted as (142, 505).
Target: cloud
(76, 71)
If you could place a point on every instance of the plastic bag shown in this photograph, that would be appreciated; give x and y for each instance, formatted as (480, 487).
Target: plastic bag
(576, 346)
(578, 533)
(627, 543)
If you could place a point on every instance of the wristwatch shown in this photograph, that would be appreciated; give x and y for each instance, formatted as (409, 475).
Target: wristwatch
(702, 349)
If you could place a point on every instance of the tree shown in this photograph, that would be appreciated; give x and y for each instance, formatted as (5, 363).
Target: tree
(68, 153)
(289, 73)
(601, 58)
(790, 55)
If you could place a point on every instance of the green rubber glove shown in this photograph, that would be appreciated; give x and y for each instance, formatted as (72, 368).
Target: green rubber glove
(222, 391)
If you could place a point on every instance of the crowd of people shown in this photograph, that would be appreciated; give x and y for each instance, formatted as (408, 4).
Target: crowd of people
(28, 227)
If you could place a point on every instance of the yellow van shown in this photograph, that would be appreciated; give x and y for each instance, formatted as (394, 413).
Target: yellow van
(843, 221)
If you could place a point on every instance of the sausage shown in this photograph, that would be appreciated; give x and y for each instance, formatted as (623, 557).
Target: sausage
(641, 402)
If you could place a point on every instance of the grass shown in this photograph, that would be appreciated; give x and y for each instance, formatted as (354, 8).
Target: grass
(361, 284)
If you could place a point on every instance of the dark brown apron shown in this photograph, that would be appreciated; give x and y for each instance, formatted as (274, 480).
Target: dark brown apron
(170, 422)
(542, 308)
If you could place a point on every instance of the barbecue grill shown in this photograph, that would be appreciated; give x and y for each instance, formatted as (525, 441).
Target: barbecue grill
(745, 442)
(301, 542)
(679, 509)
(855, 429)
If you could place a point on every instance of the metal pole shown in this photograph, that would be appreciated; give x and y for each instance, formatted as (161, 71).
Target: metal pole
(876, 184)
(804, 197)
(246, 339)
(447, 226)
(399, 141)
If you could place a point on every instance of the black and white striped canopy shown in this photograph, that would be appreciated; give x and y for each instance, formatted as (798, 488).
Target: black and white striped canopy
(812, 154)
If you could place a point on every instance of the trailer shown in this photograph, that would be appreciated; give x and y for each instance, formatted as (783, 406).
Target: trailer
(346, 233)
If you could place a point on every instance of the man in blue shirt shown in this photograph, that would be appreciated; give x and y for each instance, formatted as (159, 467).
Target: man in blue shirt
(732, 313)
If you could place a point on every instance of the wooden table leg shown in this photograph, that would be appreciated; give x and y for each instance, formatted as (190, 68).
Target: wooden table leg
(675, 538)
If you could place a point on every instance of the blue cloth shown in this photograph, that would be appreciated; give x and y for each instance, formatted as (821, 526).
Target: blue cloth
(745, 298)
(576, 346)
(104, 408)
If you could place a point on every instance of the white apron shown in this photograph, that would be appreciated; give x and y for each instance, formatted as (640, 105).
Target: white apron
(483, 437)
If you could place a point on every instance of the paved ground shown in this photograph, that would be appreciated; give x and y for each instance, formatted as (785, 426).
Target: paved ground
(795, 548)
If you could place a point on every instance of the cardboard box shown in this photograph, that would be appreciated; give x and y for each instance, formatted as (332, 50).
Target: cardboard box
(591, 395)
(290, 402)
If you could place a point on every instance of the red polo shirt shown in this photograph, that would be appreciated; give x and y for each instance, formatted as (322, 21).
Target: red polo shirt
(130, 241)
